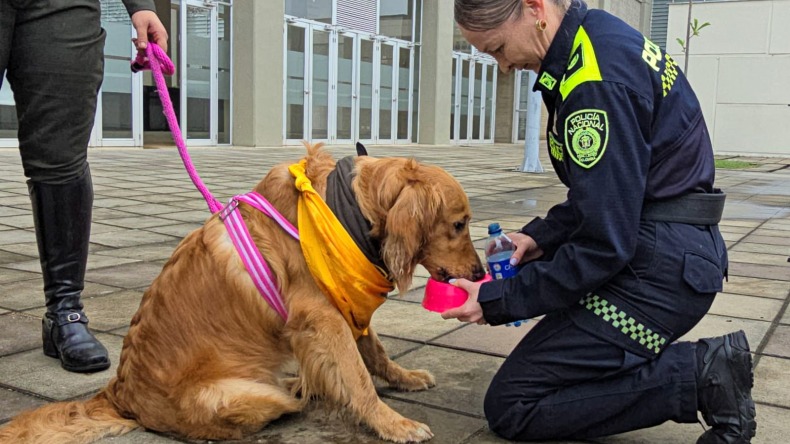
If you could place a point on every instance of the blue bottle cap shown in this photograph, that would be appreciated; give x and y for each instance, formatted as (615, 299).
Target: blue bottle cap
(494, 228)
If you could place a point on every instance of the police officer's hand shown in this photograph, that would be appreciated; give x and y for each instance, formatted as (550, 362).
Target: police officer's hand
(149, 28)
(526, 248)
(471, 311)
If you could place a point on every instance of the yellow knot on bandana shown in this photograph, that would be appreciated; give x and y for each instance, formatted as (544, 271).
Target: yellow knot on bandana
(354, 285)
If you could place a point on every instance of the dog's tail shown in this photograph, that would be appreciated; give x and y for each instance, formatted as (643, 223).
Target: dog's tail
(73, 422)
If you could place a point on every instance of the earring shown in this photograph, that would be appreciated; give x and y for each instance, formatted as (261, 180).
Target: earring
(540, 25)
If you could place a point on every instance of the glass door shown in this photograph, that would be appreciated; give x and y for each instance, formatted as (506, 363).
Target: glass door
(319, 84)
(366, 91)
(198, 74)
(386, 91)
(119, 107)
(345, 96)
(473, 99)
(404, 101)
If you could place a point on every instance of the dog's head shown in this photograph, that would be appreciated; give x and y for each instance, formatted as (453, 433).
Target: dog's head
(420, 214)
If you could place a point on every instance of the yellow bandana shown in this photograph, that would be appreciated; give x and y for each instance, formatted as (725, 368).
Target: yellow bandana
(354, 285)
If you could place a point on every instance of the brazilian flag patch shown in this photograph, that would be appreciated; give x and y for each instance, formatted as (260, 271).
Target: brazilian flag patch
(586, 134)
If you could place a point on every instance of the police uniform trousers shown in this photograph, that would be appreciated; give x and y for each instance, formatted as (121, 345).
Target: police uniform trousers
(52, 52)
(612, 363)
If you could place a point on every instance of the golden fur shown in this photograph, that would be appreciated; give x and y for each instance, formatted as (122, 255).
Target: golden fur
(204, 354)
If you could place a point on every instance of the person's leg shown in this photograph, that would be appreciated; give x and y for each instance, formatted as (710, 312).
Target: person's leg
(563, 383)
(7, 17)
(55, 69)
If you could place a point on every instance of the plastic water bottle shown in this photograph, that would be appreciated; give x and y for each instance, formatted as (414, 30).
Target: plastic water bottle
(498, 249)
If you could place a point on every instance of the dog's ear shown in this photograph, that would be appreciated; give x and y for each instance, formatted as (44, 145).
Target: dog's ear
(408, 224)
(361, 150)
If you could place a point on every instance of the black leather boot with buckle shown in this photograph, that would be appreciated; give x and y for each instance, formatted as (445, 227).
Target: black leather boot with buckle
(724, 395)
(62, 216)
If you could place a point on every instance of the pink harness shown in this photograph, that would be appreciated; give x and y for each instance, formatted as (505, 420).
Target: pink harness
(160, 64)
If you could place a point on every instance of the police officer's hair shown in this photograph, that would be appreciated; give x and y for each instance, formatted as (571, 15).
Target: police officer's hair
(483, 15)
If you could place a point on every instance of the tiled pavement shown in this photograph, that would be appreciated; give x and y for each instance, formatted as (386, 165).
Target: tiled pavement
(145, 203)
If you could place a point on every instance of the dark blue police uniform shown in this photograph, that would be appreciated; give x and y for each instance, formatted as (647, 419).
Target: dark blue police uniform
(618, 285)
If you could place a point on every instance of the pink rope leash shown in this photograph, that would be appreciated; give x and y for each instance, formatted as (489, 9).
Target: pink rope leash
(160, 64)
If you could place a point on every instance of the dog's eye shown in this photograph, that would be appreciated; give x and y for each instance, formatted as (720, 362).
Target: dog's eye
(459, 226)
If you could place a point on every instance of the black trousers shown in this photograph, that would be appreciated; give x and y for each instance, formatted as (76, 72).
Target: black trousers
(579, 374)
(52, 52)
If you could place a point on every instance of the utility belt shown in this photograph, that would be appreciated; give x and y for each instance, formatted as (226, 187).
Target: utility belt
(694, 208)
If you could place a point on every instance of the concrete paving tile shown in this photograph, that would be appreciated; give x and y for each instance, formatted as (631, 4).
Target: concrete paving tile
(16, 236)
(761, 258)
(749, 307)
(770, 240)
(139, 222)
(36, 373)
(735, 230)
(782, 250)
(133, 275)
(757, 287)
(8, 275)
(777, 224)
(462, 378)
(19, 332)
(13, 403)
(408, 320)
(129, 238)
(731, 237)
(108, 312)
(770, 381)
(779, 342)
(714, 325)
(100, 228)
(499, 340)
(112, 202)
(28, 294)
(24, 221)
(103, 214)
(94, 262)
(143, 252)
(776, 272)
(178, 230)
(8, 210)
(667, 433)
(772, 425)
(194, 216)
(139, 436)
(318, 426)
(762, 231)
(739, 223)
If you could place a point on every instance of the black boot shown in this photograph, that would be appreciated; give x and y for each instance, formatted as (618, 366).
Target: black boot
(724, 395)
(62, 216)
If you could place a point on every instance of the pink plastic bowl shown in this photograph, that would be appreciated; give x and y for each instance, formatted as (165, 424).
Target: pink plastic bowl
(440, 296)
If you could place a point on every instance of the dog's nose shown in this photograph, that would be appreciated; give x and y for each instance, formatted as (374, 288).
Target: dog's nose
(478, 273)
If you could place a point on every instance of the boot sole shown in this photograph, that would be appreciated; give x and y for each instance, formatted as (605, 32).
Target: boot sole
(740, 342)
(79, 369)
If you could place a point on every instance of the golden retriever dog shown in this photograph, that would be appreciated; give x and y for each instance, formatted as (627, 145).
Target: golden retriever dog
(204, 354)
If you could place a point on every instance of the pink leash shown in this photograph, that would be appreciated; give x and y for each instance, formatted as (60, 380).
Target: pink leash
(160, 64)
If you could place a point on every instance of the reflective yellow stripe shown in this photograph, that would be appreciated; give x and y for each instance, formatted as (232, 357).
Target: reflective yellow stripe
(588, 71)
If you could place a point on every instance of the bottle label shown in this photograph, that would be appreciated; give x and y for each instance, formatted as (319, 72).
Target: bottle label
(502, 269)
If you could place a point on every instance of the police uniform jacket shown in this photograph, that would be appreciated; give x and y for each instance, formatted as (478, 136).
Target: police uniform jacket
(625, 128)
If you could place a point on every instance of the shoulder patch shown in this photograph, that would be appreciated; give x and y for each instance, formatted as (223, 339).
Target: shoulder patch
(582, 65)
(586, 134)
(547, 80)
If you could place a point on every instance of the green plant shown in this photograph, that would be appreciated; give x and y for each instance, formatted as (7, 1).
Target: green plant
(725, 164)
(696, 27)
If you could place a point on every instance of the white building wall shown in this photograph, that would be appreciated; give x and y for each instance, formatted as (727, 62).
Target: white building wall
(739, 69)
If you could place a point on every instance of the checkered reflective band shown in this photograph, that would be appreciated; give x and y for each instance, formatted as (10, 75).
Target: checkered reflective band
(626, 324)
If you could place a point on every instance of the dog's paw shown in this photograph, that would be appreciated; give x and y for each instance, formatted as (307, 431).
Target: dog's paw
(414, 381)
(406, 430)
